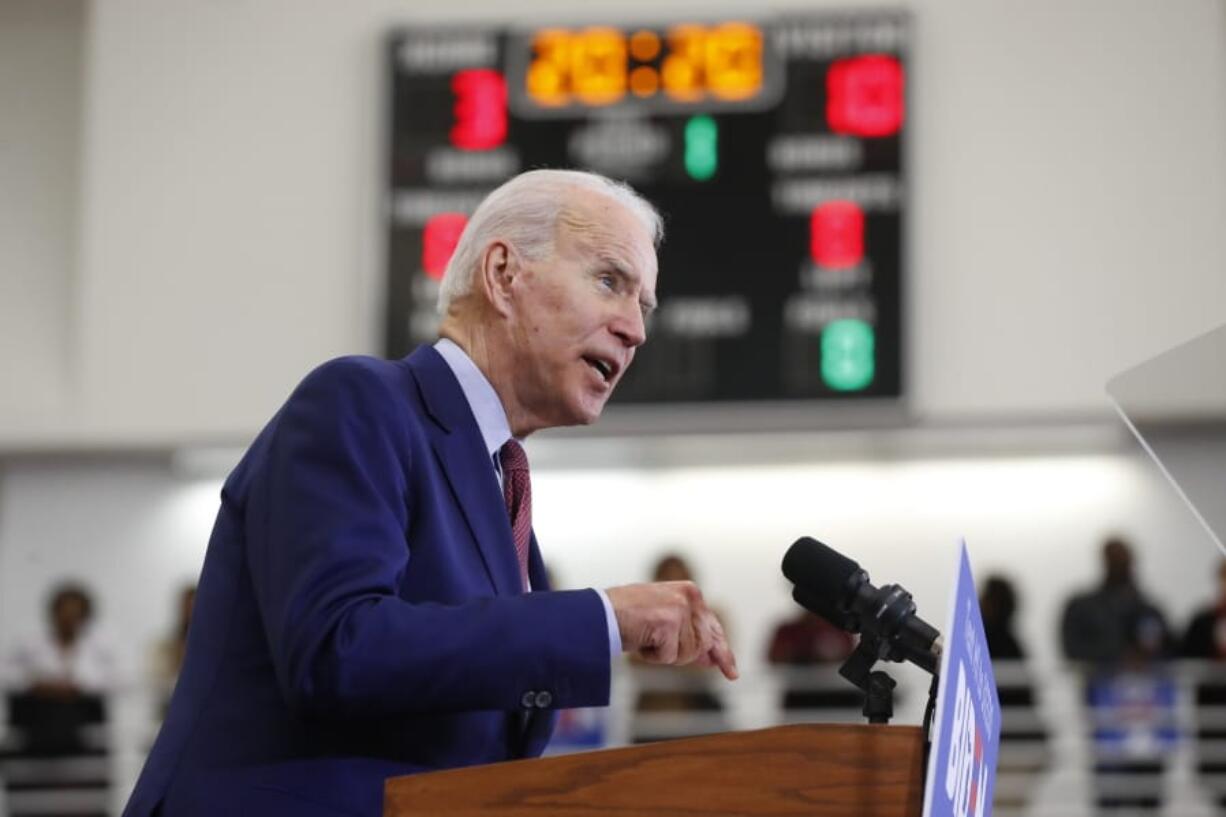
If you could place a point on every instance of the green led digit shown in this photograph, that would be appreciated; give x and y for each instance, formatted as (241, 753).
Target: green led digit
(848, 353)
(701, 147)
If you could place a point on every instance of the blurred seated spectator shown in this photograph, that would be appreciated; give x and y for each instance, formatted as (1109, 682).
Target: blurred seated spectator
(809, 641)
(56, 686)
(168, 653)
(69, 659)
(675, 702)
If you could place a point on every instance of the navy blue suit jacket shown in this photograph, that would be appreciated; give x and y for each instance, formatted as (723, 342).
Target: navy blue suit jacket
(359, 614)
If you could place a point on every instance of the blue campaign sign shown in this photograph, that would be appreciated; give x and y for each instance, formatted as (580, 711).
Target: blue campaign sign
(966, 737)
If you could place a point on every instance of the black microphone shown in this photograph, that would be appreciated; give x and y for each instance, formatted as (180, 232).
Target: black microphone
(837, 589)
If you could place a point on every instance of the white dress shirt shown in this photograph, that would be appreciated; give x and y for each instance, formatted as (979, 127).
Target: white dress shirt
(90, 664)
(495, 431)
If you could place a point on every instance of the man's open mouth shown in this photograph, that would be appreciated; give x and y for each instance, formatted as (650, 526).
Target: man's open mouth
(604, 368)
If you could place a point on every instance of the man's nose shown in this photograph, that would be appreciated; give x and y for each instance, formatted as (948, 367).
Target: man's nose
(631, 326)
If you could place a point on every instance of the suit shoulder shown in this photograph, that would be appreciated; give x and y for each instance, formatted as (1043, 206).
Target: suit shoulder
(342, 379)
(357, 391)
(353, 398)
(353, 368)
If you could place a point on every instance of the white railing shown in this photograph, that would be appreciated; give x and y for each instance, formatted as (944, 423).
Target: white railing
(1051, 777)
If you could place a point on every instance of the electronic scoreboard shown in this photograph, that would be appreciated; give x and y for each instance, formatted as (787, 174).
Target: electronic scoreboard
(774, 147)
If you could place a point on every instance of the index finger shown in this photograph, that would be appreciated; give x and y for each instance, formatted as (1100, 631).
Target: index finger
(720, 654)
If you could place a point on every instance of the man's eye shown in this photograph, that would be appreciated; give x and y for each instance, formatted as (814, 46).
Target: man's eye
(608, 280)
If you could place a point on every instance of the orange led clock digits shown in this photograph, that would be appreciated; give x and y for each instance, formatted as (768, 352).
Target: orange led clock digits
(548, 77)
(734, 61)
(682, 70)
(598, 65)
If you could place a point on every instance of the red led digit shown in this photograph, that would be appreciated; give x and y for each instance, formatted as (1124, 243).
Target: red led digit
(836, 235)
(864, 95)
(441, 234)
(480, 109)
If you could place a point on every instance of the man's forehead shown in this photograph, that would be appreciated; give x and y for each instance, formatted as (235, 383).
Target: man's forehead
(622, 252)
(615, 241)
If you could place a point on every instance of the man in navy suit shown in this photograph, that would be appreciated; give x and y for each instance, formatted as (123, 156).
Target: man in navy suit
(372, 602)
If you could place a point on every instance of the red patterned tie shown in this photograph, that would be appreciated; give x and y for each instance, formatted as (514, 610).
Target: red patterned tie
(517, 489)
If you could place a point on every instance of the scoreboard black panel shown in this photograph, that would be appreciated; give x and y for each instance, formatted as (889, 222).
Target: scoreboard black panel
(773, 147)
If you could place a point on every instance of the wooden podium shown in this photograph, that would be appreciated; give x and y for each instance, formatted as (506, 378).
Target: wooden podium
(810, 770)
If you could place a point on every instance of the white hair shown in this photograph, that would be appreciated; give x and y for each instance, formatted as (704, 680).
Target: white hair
(524, 212)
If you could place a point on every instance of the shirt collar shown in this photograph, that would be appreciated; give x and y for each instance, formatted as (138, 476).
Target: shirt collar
(482, 399)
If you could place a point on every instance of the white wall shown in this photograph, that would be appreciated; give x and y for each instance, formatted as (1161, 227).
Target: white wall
(1068, 197)
(41, 59)
(129, 529)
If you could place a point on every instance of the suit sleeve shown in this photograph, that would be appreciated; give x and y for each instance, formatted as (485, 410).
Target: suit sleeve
(326, 522)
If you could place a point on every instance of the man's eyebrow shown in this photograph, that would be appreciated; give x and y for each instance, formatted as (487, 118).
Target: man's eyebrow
(610, 259)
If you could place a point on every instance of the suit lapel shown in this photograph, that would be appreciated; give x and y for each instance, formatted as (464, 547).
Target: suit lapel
(461, 453)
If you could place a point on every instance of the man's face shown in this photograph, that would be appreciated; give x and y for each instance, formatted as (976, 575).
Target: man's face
(579, 314)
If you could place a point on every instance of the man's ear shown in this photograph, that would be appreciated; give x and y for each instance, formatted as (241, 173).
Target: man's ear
(498, 271)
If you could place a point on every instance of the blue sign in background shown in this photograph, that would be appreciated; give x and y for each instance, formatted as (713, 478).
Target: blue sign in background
(966, 738)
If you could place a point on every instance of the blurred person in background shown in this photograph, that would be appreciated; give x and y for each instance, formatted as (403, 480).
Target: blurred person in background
(1205, 636)
(373, 602)
(809, 650)
(57, 681)
(169, 652)
(675, 692)
(1115, 621)
(1023, 751)
(1204, 641)
(998, 605)
(1122, 640)
(69, 659)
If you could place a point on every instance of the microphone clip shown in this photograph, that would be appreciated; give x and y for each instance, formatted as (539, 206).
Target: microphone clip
(878, 686)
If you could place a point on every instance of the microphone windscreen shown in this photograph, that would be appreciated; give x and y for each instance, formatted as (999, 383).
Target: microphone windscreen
(822, 571)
